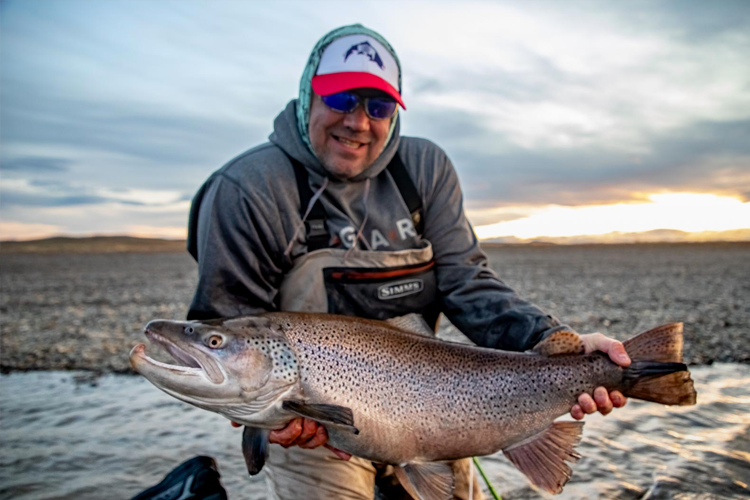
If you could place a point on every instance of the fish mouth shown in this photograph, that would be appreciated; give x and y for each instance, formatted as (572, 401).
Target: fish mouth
(179, 354)
(187, 362)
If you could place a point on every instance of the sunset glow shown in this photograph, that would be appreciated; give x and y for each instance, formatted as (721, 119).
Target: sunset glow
(689, 212)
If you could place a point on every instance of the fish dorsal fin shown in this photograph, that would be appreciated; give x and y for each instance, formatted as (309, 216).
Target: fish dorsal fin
(254, 448)
(339, 416)
(559, 343)
(542, 457)
(428, 481)
(413, 323)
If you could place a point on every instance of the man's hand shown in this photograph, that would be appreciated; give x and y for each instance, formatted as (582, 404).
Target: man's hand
(601, 401)
(300, 432)
(304, 433)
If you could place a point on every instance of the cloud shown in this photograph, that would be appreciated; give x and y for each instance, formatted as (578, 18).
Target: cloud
(107, 218)
(35, 164)
(42, 200)
(54, 193)
(702, 157)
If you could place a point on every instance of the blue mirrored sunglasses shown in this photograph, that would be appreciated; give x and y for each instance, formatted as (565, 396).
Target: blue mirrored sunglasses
(377, 108)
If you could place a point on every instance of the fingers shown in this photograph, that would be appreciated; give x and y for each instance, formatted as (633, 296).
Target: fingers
(235, 424)
(577, 413)
(587, 404)
(286, 436)
(603, 403)
(614, 348)
(319, 438)
(617, 352)
(309, 428)
(300, 432)
(618, 400)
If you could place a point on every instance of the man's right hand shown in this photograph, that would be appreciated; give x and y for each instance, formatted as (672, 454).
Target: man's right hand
(304, 433)
(301, 432)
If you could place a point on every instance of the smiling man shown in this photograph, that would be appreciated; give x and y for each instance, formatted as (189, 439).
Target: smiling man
(348, 143)
(339, 213)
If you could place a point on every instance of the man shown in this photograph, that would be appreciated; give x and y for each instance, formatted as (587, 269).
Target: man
(339, 213)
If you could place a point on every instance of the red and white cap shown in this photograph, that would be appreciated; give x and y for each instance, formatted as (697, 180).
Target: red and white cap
(355, 62)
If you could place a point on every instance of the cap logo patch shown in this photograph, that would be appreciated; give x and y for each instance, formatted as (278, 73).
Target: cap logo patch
(365, 48)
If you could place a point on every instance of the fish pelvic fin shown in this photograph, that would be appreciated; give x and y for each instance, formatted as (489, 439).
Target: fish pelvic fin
(542, 458)
(559, 343)
(255, 448)
(339, 416)
(428, 481)
(657, 372)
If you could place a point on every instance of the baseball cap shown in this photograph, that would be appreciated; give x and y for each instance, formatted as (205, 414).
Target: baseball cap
(357, 61)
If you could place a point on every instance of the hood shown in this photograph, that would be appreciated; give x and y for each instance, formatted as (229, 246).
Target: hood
(286, 136)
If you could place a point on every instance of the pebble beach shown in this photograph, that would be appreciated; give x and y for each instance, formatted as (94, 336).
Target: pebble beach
(85, 311)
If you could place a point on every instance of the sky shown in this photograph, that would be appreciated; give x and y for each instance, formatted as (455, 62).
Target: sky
(562, 119)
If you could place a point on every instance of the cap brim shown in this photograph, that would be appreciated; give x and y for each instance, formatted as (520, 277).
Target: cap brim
(339, 82)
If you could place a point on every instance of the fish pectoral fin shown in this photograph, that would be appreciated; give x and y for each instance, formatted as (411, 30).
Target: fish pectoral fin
(427, 481)
(340, 416)
(559, 343)
(255, 448)
(542, 457)
(412, 323)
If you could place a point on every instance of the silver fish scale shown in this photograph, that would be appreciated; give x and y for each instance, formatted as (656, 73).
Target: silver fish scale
(483, 399)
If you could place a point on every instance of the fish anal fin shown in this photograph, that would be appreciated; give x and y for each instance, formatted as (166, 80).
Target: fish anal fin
(254, 448)
(412, 323)
(427, 481)
(542, 458)
(340, 416)
(559, 343)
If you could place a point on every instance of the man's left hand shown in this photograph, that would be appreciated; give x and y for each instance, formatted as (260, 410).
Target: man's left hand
(602, 401)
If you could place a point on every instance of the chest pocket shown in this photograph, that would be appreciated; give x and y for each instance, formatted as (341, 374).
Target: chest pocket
(382, 293)
(367, 284)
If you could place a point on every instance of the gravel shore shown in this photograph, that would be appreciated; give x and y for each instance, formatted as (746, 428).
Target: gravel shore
(86, 311)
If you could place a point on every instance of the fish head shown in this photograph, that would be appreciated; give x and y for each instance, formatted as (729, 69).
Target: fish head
(232, 367)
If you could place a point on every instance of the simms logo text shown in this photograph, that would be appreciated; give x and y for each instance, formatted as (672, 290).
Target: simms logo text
(400, 289)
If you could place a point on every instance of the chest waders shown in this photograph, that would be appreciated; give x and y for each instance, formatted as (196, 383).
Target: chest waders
(363, 283)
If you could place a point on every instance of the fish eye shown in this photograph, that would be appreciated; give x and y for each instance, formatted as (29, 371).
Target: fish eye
(215, 341)
(189, 330)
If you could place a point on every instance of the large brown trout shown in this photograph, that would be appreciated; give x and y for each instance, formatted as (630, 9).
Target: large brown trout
(389, 392)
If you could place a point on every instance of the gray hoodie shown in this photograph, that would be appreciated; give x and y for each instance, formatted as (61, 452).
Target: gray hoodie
(243, 219)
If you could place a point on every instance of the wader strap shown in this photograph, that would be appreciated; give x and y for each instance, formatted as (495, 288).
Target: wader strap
(315, 225)
(408, 190)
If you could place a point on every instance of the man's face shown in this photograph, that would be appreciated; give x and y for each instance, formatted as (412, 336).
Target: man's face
(346, 144)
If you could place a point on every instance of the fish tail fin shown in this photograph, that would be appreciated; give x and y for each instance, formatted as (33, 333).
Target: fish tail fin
(657, 372)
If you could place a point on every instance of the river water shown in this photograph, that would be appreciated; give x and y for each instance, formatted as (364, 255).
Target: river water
(64, 435)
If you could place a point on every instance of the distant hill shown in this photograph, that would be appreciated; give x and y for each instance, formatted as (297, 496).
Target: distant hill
(113, 244)
(93, 244)
(656, 236)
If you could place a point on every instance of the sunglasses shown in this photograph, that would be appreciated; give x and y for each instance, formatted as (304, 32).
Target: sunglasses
(377, 108)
